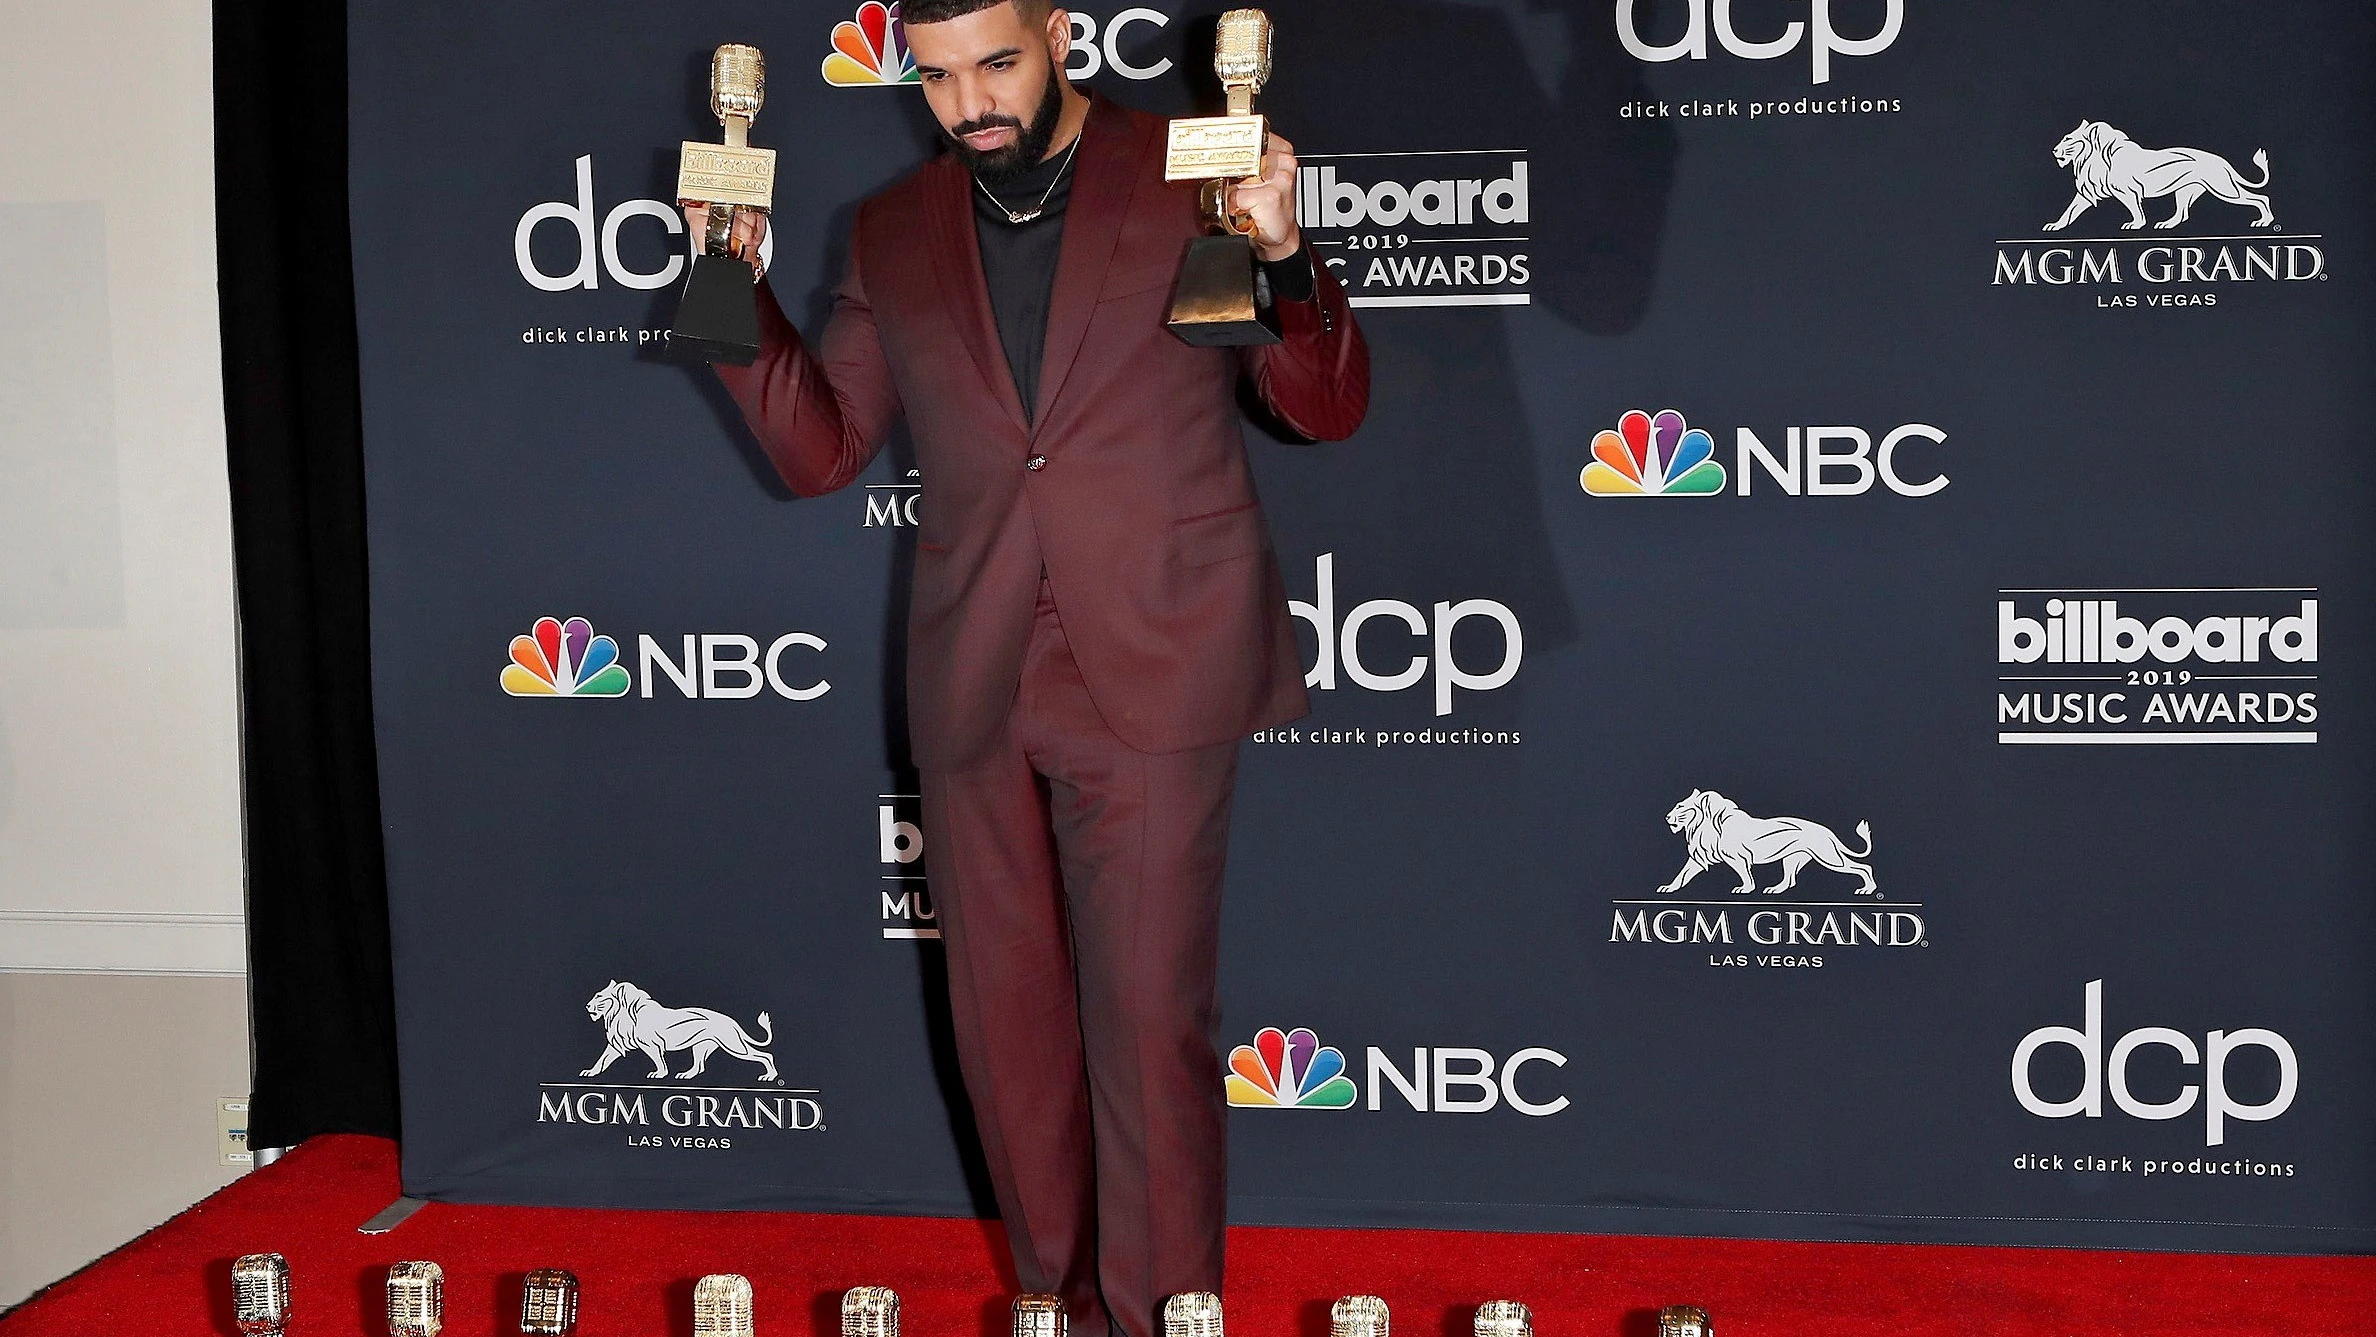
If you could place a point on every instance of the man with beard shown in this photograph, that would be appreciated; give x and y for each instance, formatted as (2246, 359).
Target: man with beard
(1097, 617)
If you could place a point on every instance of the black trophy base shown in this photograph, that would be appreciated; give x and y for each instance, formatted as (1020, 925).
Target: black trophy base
(1214, 306)
(717, 318)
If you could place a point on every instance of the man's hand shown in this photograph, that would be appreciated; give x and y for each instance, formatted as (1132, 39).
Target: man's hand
(1270, 199)
(750, 229)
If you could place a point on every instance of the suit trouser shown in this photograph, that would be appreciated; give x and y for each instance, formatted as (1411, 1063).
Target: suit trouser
(1077, 883)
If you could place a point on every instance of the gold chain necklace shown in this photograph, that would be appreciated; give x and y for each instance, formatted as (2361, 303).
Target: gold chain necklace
(1034, 212)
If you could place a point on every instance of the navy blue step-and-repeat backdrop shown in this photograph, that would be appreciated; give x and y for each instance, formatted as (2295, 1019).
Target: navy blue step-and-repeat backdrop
(1840, 660)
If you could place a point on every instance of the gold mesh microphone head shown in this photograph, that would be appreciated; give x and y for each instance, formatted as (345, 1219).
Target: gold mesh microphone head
(260, 1294)
(416, 1300)
(1684, 1321)
(738, 81)
(870, 1311)
(548, 1303)
(1192, 1313)
(1039, 1316)
(1242, 48)
(1357, 1316)
(1503, 1318)
(722, 1306)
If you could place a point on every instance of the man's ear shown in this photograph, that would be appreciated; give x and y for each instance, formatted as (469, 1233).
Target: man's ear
(1060, 35)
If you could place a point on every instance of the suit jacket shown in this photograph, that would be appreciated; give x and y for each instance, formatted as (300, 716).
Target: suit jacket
(1140, 506)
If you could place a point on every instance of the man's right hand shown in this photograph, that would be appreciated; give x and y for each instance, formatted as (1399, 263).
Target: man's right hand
(750, 229)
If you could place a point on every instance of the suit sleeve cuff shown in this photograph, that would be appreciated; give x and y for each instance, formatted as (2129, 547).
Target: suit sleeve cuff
(1291, 278)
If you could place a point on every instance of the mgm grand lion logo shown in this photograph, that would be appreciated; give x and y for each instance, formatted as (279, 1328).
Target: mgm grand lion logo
(633, 1023)
(2108, 165)
(1716, 831)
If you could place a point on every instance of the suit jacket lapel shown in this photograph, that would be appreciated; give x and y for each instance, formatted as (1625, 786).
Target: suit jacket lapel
(957, 255)
(1104, 176)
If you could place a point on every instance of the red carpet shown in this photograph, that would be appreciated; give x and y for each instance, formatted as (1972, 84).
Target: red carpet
(638, 1269)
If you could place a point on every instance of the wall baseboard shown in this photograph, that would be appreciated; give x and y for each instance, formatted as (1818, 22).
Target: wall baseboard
(109, 942)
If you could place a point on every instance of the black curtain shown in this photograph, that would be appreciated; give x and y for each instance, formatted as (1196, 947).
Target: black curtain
(319, 979)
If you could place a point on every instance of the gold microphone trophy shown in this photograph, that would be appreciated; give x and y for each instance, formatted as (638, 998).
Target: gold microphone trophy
(549, 1303)
(1214, 305)
(722, 1306)
(1039, 1316)
(1358, 1316)
(717, 318)
(1503, 1318)
(1192, 1314)
(260, 1294)
(870, 1311)
(416, 1300)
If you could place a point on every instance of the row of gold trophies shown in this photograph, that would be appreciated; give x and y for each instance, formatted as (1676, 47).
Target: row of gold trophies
(722, 1308)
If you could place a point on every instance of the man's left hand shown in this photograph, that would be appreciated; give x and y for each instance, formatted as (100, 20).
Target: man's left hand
(1270, 200)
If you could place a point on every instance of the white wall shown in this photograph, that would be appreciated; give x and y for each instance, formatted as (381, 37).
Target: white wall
(119, 764)
(119, 800)
(108, 1087)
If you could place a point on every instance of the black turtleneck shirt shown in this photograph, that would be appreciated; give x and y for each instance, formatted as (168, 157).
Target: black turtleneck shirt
(1019, 265)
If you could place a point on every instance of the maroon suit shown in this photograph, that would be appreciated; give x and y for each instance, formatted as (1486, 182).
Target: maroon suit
(1097, 620)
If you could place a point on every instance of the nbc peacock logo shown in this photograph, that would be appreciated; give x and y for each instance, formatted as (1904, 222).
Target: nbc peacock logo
(871, 50)
(1647, 456)
(562, 658)
(1289, 1070)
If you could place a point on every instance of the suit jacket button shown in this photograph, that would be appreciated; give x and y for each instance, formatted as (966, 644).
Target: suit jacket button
(1036, 463)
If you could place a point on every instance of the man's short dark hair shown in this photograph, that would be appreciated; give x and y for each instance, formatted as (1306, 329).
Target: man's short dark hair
(939, 11)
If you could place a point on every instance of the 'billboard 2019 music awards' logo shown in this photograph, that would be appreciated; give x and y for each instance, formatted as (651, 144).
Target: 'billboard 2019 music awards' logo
(906, 895)
(2173, 666)
(1420, 229)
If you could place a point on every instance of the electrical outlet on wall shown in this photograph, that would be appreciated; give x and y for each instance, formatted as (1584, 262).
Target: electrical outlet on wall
(231, 1135)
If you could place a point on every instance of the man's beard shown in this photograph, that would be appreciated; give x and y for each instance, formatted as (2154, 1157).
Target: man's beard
(1030, 144)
